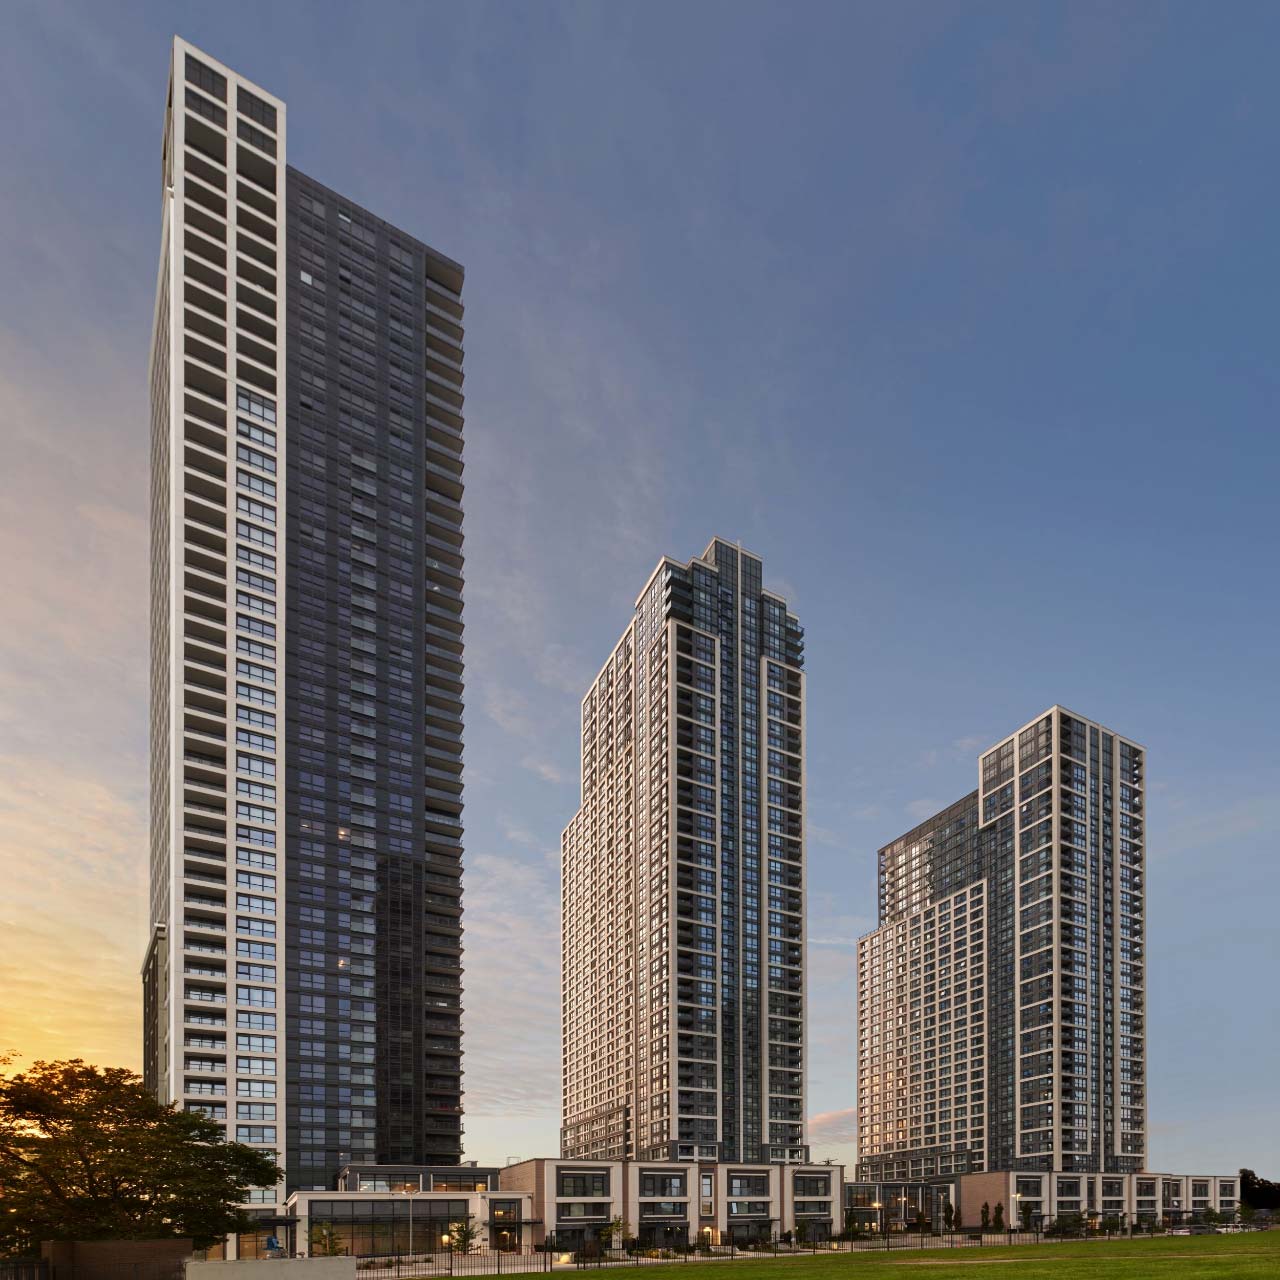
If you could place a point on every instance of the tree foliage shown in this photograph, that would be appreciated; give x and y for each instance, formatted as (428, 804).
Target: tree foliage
(87, 1153)
(462, 1234)
(1258, 1193)
(324, 1240)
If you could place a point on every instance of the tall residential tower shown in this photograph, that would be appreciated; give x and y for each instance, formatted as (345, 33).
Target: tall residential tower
(1001, 1000)
(683, 879)
(303, 980)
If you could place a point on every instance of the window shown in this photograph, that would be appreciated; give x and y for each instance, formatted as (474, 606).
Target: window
(256, 137)
(206, 78)
(662, 1184)
(255, 1133)
(247, 578)
(258, 434)
(203, 107)
(255, 458)
(663, 1209)
(251, 533)
(264, 697)
(812, 1185)
(249, 104)
(583, 1209)
(256, 484)
(748, 1184)
(583, 1184)
(258, 510)
(255, 626)
(263, 561)
(255, 406)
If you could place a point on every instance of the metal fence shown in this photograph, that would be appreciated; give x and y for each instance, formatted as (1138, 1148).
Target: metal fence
(452, 1262)
(24, 1269)
(549, 1257)
(776, 1247)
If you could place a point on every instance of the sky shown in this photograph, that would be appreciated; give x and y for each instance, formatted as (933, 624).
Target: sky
(961, 317)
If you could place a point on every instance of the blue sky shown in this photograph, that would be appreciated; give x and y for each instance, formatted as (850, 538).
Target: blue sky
(961, 317)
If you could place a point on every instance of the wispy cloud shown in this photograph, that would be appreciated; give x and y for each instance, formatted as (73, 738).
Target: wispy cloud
(830, 1127)
(544, 769)
(512, 1022)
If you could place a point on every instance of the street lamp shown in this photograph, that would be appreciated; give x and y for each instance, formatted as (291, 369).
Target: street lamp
(877, 1206)
(1017, 1209)
(410, 1192)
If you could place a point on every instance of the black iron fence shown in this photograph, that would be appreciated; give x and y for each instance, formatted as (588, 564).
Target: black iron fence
(584, 1255)
(638, 1254)
(452, 1262)
(24, 1269)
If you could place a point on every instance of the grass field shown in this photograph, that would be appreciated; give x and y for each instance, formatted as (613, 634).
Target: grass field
(1254, 1256)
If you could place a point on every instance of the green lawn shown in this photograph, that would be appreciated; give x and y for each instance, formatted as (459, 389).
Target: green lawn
(1254, 1255)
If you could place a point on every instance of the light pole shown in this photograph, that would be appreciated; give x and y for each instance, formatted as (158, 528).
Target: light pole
(410, 1192)
(877, 1206)
(1017, 1209)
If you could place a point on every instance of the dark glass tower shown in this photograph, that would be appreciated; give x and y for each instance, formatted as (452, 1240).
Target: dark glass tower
(302, 985)
(373, 692)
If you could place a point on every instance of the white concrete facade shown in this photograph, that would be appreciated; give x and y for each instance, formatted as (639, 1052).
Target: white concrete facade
(213, 977)
(1130, 1197)
(664, 1202)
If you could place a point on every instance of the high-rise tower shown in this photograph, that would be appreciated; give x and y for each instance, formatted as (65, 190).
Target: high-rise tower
(1001, 1000)
(683, 879)
(303, 981)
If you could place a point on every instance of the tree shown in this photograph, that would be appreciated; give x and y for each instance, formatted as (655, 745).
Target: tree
(986, 1216)
(948, 1216)
(616, 1232)
(1025, 1209)
(462, 1235)
(1258, 1193)
(324, 1241)
(997, 1220)
(958, 1224)
(87, 1153)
